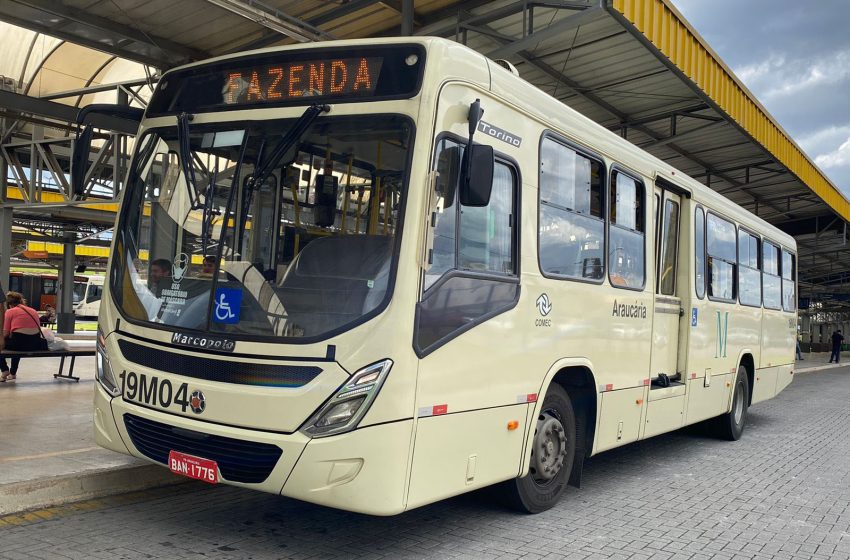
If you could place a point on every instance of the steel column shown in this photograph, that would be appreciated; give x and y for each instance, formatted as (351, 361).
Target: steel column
(65, 315)
(5, 239)
(406, 18)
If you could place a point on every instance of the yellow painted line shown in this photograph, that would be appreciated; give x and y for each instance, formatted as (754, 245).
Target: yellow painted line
(45, 455)
(662, 24)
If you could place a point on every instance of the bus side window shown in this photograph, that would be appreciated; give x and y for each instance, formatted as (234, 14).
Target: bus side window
(722, 258)
(770, 276)
(449, 154)
(626, 245)
(749, 277)
(789, 274)
(669, 248)
(473, 273)
(572, 225)
(472, 238)
(699, 251)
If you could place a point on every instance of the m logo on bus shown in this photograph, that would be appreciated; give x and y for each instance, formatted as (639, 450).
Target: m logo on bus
(722, 335)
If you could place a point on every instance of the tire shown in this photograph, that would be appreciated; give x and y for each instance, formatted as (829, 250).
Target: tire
(730, 426)
(552, 456)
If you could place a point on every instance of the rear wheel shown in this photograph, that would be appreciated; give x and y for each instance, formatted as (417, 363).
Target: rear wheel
(731, 425)
(552, 454)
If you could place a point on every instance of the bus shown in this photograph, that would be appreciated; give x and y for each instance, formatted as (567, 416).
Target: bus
(421, 276)
(88, 304)
(42, 289)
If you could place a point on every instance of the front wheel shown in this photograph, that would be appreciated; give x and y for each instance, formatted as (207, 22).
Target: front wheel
(552, 454)
(731, 425)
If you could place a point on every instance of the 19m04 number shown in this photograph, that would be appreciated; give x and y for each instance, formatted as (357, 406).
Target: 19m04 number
(153, 391)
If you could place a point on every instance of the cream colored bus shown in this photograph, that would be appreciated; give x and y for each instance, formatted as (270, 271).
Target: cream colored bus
(421, 276)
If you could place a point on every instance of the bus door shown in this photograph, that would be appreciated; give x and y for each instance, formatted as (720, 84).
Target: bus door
(667, 389)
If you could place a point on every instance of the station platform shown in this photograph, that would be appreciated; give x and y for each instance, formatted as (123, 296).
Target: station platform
(47, 452)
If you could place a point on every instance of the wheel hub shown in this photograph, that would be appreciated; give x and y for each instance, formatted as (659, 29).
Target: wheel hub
(549, 449)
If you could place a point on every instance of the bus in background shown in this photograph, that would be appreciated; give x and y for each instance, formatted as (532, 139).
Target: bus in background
(89, 299)
(421, 276)
(41, 290)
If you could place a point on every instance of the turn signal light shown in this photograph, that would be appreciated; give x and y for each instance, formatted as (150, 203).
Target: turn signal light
(513, 425)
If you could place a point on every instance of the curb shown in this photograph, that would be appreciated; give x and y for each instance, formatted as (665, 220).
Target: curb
(818, 368)
(52, 491)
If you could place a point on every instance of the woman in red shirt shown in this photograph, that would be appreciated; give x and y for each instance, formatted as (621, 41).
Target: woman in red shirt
(21, 330)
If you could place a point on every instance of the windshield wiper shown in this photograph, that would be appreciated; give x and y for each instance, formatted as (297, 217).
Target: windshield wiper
(209, 211)
(186, 159)
(292, 136)
(264, 169)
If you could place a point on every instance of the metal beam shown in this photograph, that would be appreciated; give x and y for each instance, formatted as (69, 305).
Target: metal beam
(679, 136)
(742, 167)
(274, 19)
(341, 11)
(549, 32)
(449, 23)
(95, 89)
(686, 112)
(116, 37)
(65, 113)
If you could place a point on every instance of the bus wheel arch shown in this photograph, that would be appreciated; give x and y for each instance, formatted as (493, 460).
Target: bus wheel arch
(748, 363)
(579, 383)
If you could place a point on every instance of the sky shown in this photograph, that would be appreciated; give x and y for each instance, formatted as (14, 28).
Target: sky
(794, 56)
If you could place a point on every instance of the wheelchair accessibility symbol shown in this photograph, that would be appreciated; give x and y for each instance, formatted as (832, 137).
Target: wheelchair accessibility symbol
(228, 302)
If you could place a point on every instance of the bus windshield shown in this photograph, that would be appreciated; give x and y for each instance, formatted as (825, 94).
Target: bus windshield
(303, 250)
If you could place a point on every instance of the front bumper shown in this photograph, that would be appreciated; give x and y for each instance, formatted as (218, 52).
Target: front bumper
(364, 470)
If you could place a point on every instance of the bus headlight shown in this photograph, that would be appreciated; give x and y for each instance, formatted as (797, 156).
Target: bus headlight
(343, 411)
(104, 370)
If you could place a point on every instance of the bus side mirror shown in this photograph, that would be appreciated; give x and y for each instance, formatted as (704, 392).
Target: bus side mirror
(80, 159)
(475, 188)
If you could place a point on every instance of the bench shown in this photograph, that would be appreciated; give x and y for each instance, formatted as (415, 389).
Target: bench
(72, 353)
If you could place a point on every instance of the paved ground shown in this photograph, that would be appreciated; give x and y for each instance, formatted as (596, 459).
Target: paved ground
(46, 424)
(781, 492)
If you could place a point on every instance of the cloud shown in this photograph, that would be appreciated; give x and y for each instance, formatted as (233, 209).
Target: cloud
(829, 148)
(824, 139)
(754, 73)
(837, 158)
(779, 76)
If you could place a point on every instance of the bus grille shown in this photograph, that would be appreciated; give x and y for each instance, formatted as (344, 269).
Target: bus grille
(238, 460)
(226, 371)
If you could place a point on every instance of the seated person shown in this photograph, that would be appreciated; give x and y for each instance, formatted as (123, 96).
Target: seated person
(21, 330)
(49, 316)
(208, 267)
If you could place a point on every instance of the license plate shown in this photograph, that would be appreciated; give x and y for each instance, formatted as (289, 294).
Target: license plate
(193, 467)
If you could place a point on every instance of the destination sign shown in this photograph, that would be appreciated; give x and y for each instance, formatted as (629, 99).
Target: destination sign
(275, 82)
(288, 78)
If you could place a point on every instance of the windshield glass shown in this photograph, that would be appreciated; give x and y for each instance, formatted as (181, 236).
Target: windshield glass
(302, 250)
(79, 291)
